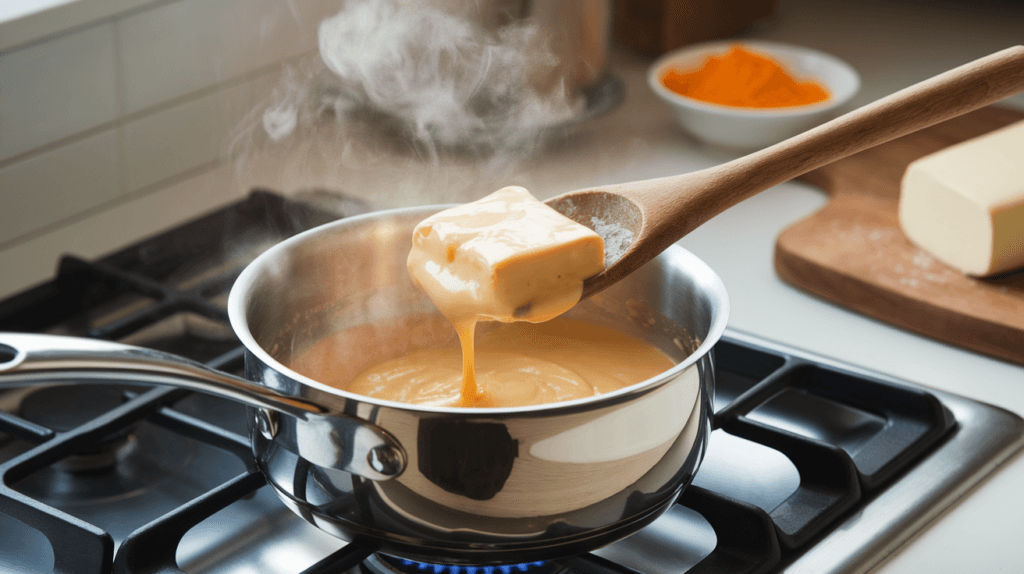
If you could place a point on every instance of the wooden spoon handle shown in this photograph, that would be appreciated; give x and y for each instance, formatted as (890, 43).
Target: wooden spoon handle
(676, 205)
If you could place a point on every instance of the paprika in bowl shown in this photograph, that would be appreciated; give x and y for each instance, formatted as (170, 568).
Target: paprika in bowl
(751, 94)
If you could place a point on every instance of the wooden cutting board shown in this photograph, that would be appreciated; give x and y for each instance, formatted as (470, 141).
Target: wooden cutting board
(854, 253)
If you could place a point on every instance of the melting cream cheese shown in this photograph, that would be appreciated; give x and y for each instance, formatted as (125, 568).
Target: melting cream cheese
(512, 259)
(506, 257)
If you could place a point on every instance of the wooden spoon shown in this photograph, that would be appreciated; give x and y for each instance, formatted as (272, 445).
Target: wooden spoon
(658, 212)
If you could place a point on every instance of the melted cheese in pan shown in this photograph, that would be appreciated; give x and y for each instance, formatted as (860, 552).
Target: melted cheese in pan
(506, 257)
(518, 364)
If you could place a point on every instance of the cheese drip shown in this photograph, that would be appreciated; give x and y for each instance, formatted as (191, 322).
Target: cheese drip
(520, 364)
(506, 257)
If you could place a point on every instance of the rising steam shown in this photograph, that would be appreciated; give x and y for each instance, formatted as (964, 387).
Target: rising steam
(438, 78)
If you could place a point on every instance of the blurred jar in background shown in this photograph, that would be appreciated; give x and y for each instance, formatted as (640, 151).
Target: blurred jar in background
(660, 26)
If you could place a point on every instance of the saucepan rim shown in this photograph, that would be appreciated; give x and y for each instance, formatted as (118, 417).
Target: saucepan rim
(241, 294)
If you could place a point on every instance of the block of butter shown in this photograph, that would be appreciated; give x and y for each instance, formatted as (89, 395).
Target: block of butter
(965, 204)
(504, 257)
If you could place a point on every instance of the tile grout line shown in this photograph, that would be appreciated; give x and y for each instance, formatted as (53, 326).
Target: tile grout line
(119, 201)
(156, 108)
(84, 26)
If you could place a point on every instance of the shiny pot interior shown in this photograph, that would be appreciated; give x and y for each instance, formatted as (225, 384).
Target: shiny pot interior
(479, 486)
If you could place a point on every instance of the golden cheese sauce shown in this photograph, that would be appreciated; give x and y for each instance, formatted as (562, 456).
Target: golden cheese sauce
(507, 258)
(520, 364)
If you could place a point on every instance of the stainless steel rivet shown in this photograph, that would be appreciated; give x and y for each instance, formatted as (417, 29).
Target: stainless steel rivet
(386, 460)
(266, 422)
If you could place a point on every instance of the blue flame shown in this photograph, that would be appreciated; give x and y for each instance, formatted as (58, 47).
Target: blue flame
(453, 569)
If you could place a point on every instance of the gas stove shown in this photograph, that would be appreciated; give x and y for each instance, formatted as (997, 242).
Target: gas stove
(813, 466)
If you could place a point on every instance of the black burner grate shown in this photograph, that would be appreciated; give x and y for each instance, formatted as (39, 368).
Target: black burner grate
(134, 296)
(846, 435)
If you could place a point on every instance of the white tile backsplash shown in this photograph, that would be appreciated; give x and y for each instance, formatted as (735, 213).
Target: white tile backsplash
(107, 106)
(55, 17)
(55, 89)
(52, 186)
(36, 259)
(184, 137)
(11, 9)
(191, 44)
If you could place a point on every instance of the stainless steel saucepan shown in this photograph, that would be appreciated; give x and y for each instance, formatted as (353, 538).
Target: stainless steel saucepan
(472, 486)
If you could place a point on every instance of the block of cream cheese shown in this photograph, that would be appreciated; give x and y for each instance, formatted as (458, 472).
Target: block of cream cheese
(965, 204)
(504, 257)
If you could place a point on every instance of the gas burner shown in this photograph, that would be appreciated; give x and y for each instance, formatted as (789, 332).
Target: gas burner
(119, 465)
(384, 564)
(146, 458)
(63, 408)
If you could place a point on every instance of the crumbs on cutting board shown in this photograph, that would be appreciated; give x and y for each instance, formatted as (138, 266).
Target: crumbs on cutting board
(921, 269)
(913, 268)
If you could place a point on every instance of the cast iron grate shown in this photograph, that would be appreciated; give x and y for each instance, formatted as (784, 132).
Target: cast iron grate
(184, 272)
(168, 293)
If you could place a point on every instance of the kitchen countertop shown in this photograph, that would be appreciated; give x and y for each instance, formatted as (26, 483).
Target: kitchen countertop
(892, 45)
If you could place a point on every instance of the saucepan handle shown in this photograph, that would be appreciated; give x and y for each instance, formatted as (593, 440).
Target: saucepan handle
(325, 438)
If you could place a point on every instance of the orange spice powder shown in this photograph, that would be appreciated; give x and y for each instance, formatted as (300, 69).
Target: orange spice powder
(745, 79)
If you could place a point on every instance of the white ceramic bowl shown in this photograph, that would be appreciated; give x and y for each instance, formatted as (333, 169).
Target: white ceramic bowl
(755, 128)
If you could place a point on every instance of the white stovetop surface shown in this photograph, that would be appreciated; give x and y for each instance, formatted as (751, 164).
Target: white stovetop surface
(892, 44)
